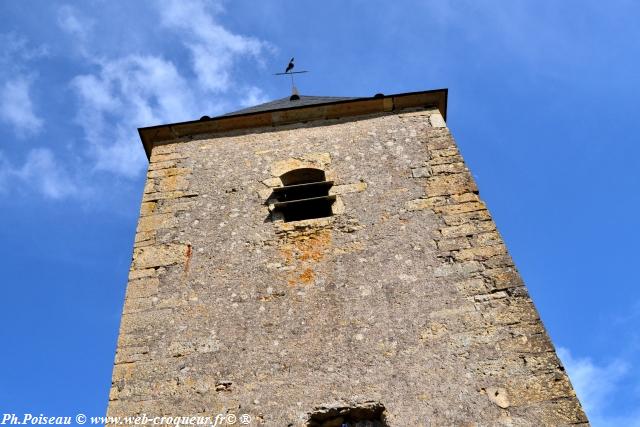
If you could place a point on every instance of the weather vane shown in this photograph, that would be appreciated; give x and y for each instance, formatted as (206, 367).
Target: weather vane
(288, 71)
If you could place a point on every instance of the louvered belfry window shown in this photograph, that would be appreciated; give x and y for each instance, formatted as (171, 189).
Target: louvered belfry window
(304, 195)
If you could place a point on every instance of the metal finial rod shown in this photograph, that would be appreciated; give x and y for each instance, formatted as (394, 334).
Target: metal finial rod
(290, 72)
(294, 90)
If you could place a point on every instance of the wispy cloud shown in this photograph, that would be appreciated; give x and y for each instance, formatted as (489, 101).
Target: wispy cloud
(74, 23)
(124, 94)
(548, 39)
(16, 106)
(253, 96)
(42, 172)
(133, 90)
(213, 48)
(39, 171)
(16, 51)
(122, 88)
(597, 387)
(16, 82)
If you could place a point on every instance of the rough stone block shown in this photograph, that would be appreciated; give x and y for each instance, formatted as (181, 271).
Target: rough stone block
(177, 205)
(533, 340)
(142, 236)
(473, 286)
(155, 158)
(348, 188)
(461, 269)
(471, 214)
(499, 261)
(449, 184)
(155, 222)
(440, 143)
(155, 166)
(449, 168)
(170, 171)
(480, 253)
(163, 195)
(172, 183)
(486, 239)
(455, 243)
(459, 208)
(418, 205)
(149, 186)
(147, 208)
(541, 387)
(503, 278)
(165, 149)
(143, 288)
(157, 256)
(467, 229)
(508, 311)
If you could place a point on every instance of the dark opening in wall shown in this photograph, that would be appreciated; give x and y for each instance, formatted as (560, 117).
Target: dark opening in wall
(302, 176)
(369, 414)
(304, 195)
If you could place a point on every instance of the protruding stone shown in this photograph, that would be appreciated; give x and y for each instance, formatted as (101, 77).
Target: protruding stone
(348, 188)
(437, 121)
(498, 395)
(421, 172)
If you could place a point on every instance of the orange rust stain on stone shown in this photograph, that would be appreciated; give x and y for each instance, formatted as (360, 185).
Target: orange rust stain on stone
(187, 261)
(287, 254)
(307, 275)
(302, 251)
(305, 247)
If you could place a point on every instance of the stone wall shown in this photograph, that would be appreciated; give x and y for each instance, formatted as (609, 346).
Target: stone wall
(406, 297)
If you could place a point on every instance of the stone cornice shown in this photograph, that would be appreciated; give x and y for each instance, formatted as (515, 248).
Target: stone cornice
(162, 134)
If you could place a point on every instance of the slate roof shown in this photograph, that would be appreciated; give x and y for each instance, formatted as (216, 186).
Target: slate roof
(283, 103)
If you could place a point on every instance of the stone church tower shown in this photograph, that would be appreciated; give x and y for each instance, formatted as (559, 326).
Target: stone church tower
(319, 261)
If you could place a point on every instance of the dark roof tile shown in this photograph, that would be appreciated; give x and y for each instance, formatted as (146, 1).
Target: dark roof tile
(283, 103)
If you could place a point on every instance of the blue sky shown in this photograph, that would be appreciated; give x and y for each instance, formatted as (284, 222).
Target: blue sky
(543, 102)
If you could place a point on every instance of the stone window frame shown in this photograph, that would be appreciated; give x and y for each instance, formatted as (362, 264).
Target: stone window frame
(314, 161)
(303, 195)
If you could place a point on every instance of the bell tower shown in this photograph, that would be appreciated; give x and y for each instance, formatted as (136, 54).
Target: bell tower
(320, 261)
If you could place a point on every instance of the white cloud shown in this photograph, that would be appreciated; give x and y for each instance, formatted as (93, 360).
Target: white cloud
(213, 48)
(122, 89)
(135, 90)
(16, 106)
(16, 51)
(253, 96)
(5, 168)
(125, 94)
(42, 172)
(74, 23)
(597, 387)
(16, 81)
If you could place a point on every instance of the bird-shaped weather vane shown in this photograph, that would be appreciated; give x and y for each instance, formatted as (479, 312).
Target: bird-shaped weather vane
(289, 71)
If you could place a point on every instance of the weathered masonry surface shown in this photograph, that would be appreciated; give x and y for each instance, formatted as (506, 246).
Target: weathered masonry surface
(405, 298)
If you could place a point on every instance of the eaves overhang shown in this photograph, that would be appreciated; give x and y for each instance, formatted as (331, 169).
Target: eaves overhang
(162, 134)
